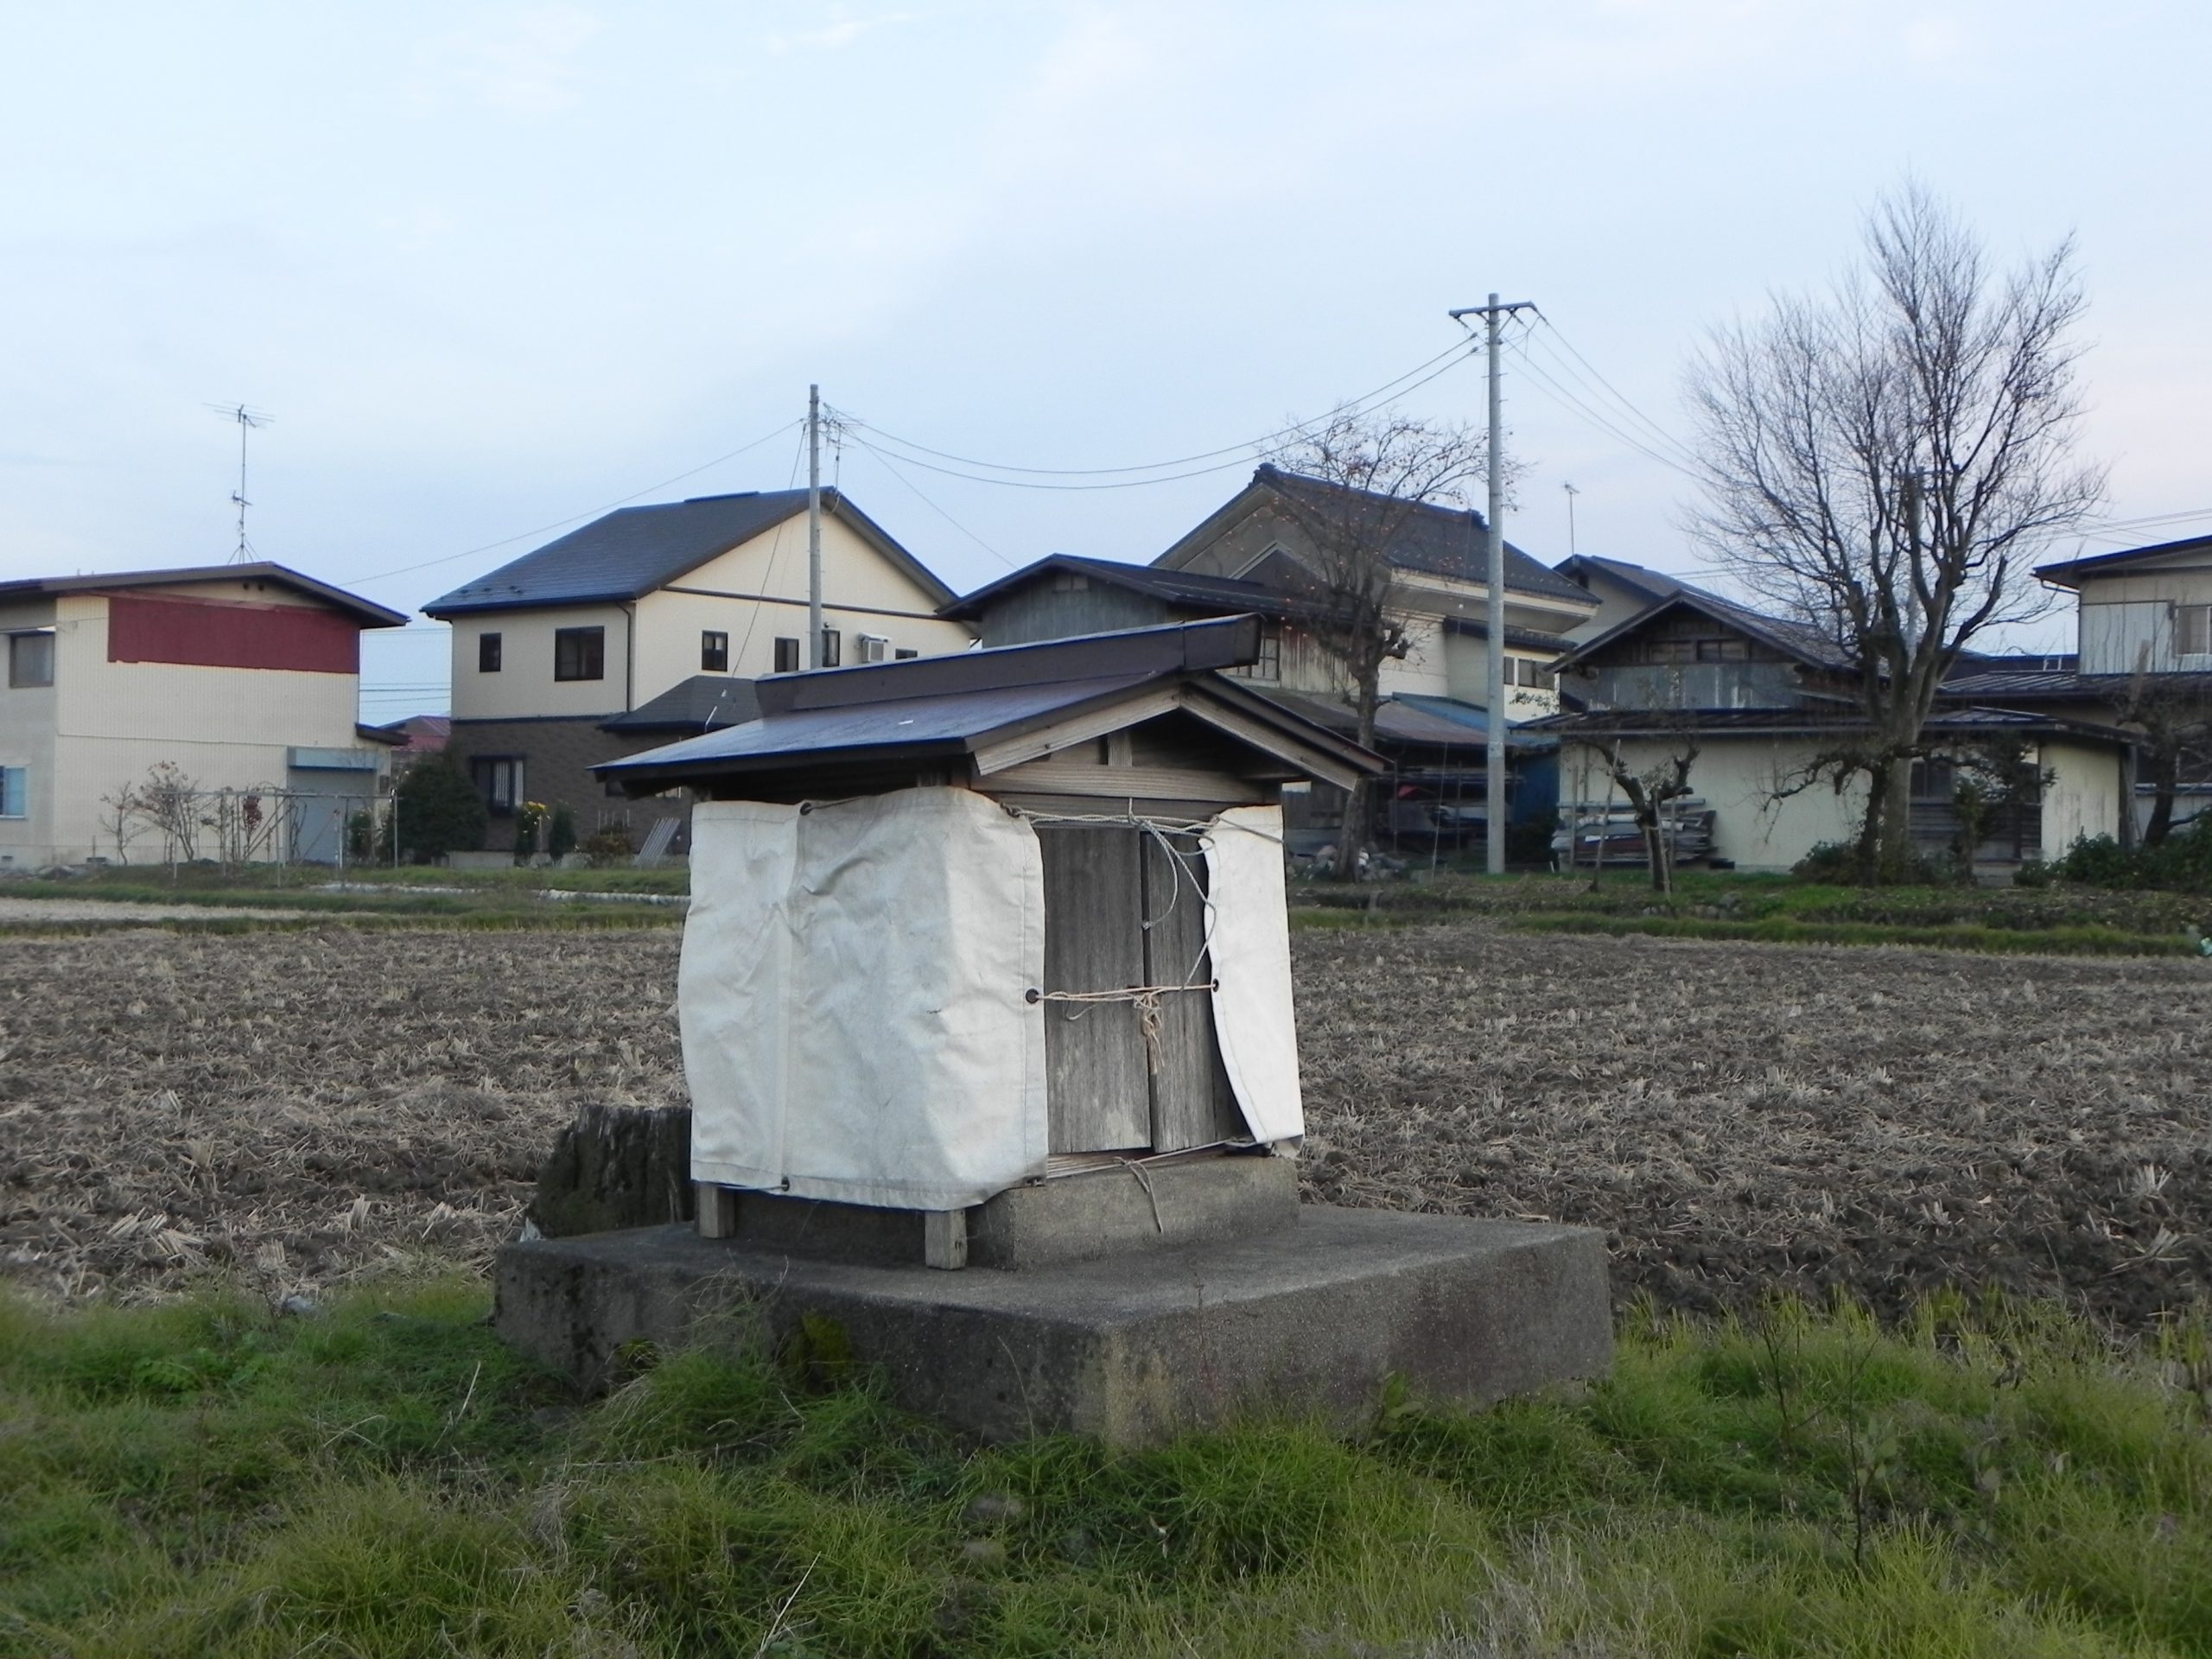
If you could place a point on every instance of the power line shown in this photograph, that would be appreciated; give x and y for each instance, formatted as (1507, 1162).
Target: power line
(1395, 386)
(768, 575)
(1457, 355)
(915, 490)
(1560, 394)
(1665, 438)
(558, 523)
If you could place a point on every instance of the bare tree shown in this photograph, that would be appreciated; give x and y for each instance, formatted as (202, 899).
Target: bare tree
(1379, 474)
(1886, 463)
(1648, 792)
(2170, 716)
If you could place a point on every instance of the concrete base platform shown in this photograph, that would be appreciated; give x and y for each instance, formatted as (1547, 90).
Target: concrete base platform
(1311, 1316)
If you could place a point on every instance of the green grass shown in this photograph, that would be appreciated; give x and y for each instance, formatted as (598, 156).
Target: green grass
(385, 1479)
(1780, 910)
(497, 900)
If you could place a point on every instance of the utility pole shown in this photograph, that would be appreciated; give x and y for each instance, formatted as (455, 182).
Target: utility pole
(1493, 316)
(814, 526)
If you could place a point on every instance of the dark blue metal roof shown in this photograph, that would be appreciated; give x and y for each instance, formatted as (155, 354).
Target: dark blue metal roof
(633, 551)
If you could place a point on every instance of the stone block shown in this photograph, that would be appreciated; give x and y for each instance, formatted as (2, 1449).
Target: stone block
(1314, 1315)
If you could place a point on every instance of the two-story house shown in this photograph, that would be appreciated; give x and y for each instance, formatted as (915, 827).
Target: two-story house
(1758, 698)
(244, 678)
(1257, 554)
(680, 604)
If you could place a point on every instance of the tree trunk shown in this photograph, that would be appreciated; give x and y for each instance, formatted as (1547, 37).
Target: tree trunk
(2165, 778)
(1654, 851)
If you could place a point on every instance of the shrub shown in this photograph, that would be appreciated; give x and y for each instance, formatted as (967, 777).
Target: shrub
(609, 846)
(360, 835)
(437, 811)
(561, 831)
(2182, 863)
(1837, 863)
(530, 819)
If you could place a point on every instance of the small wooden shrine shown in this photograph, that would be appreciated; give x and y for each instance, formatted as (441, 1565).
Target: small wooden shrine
(965, 925)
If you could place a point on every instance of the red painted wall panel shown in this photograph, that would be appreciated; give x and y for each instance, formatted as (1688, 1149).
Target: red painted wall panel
(221, 634)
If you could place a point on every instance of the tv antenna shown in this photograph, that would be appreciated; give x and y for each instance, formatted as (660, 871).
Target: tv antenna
(1571, 493)
(248, 418)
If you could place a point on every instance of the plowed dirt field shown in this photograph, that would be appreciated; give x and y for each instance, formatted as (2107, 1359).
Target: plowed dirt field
(293, 1108)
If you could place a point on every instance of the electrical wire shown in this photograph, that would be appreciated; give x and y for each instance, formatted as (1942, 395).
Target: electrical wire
(1560, 395)
(1457, 356)
(768, 575)
(885, 461)
(559, 524)
(1660, 434)
(1395, 386)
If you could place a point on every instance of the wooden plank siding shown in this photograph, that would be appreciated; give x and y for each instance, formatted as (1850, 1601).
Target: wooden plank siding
(1097, 1098)
(1192, 1105)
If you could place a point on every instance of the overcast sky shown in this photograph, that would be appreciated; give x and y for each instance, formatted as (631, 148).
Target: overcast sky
(494, 268)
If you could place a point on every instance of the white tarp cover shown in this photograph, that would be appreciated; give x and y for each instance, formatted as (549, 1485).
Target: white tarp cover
(852, 999)
(1252, 1016)
(852, 994)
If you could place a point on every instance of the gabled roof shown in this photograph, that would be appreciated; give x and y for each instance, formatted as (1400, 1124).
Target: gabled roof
(697, 704)
(1519, 639)
(1223, 595)
(2069, 573)
(1654, 585)
(367, 613)
(995, 708)
(1808, 721)
(1437, 541)
(1796, 640)
(632, 552)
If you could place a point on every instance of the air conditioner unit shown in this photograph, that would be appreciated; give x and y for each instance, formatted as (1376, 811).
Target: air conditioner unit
(874, 648)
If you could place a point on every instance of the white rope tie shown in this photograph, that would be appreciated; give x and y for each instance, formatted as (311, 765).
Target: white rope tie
(1147, 997)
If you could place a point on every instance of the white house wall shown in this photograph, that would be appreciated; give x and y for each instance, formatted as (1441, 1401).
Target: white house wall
(2081, 797)
(1737, 779)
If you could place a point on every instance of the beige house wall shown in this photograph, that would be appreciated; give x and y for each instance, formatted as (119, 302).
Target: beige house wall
(2122, 616)
(1467, 672)
(525, 684)
(102, 727)
(755, 593)
(2082, 796)
(27, 740)
(1737, 779)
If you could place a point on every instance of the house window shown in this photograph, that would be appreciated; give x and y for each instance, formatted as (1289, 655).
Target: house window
(874, 648)
(1069, 581)
(31, 660)
(487, 653)
(2192, 630)
(1269, 665)
(498, 779)
(833, 649)
(904, 655)
(786, 656)
(580, 653)
(15, 792)
(713, 652)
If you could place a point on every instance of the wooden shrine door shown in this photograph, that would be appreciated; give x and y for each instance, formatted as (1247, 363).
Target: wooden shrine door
(1107, 1087)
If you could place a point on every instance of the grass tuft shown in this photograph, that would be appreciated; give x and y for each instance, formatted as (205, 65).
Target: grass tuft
(385, 1479)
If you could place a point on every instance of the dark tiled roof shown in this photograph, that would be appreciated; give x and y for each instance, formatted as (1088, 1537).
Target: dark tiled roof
(1634, 722)
(1437, 541)
(2025, 685)
(630, 552)
(367, 613)
(1224, 596)
(1806, 643)
(1521, 638)
(1403, 722)
(2069, 572)
(697, 704)
(1654, 584)
(954, 707)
